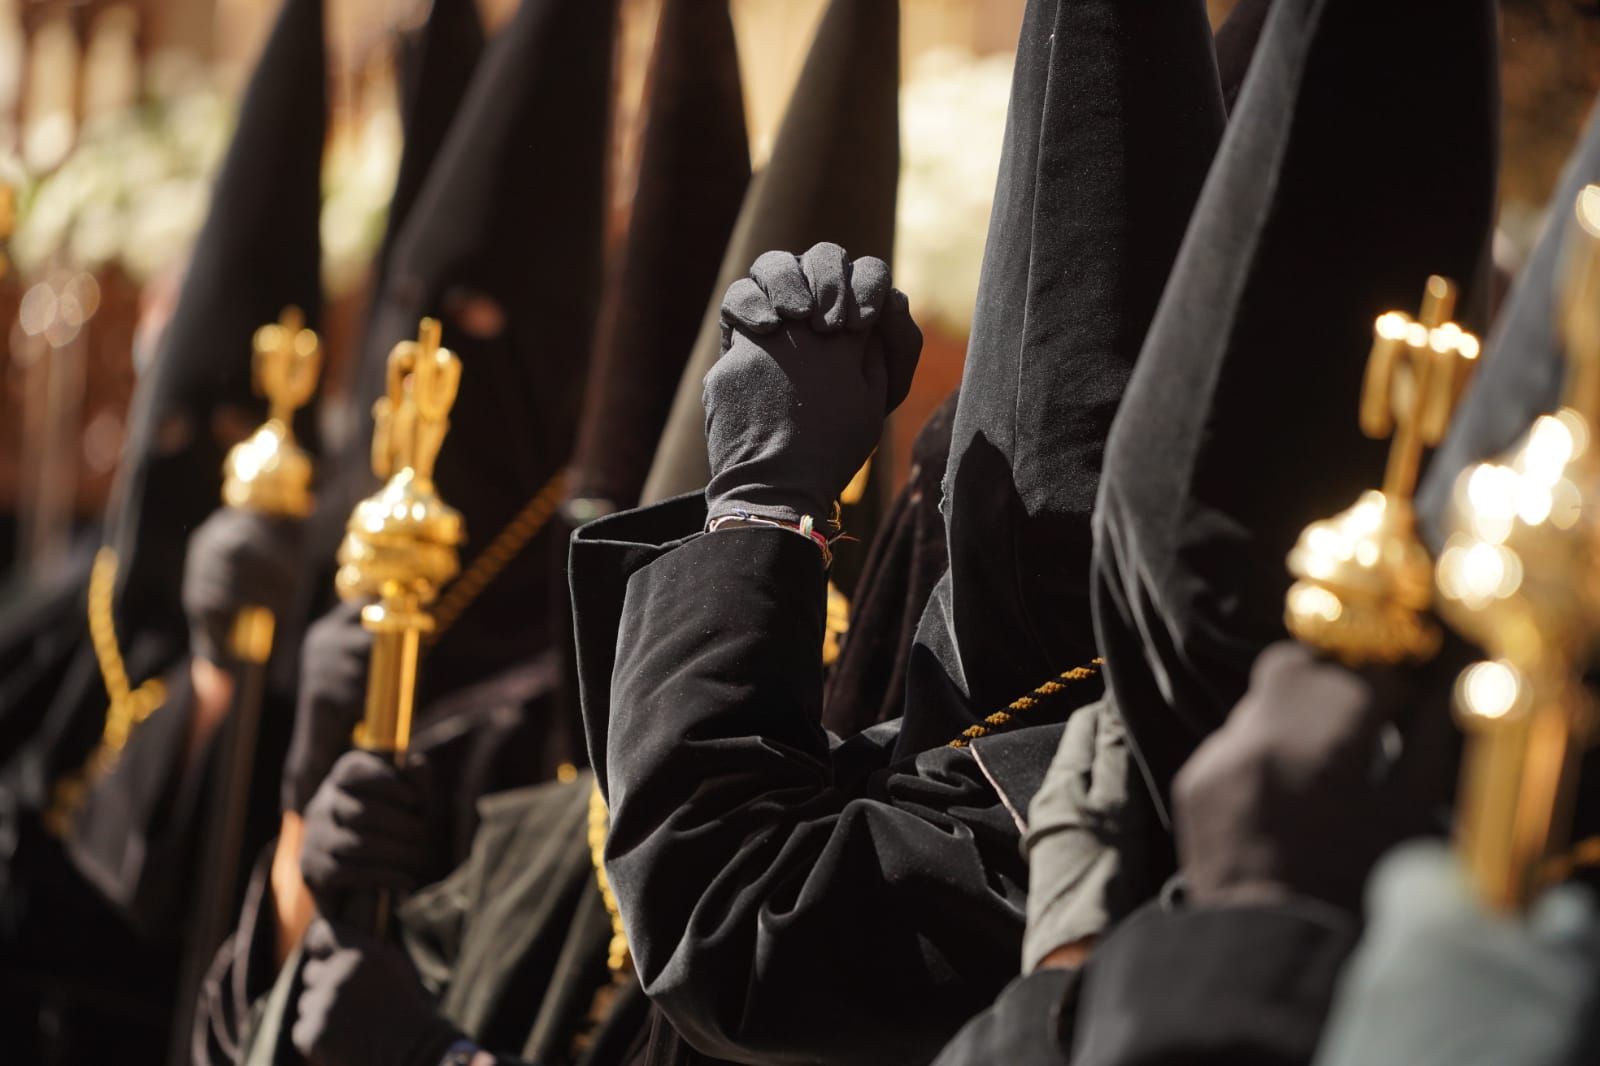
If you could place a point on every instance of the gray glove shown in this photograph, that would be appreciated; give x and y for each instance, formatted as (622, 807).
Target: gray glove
(1439, 979)
(361, 1003)
(237, 558)
(333, 696)
(816, 352)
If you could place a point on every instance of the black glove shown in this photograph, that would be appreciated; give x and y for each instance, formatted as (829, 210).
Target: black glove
(816, 353)
(333, 696)
(1304, 788)
(361, 1003)
(365, 830)
(237, 558)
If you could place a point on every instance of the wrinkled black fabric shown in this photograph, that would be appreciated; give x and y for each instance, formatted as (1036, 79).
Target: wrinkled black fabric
(365, 830)
(1229, 986)
(1023, 1028)
(756, 867)
(237, 558)
(330, 702)
(694, 167)
(833, 176)
(360, 1002)
(817, 351)
(905, 561)
(1114, 116)
(1239, 425)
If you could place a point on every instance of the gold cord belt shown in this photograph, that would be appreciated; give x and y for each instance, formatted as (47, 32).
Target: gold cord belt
(506, 546)
(1000, 719)
(599, 824)
(129, 706)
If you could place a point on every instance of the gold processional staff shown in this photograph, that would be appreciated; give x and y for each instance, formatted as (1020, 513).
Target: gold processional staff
(1520, 575)
(400, 543)
(269, 473)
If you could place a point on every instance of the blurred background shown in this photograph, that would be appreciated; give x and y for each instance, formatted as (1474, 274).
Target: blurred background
(113, 114)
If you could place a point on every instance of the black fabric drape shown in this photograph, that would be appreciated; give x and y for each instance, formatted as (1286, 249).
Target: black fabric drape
(1239, 426)
(1115, 114)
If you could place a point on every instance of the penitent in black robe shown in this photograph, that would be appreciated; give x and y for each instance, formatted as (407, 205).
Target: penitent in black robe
(819, 902)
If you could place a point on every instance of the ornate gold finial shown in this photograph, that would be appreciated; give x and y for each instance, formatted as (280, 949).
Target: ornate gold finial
(270, 472)
(1520, 577)
(400, 543)
(1364, 580)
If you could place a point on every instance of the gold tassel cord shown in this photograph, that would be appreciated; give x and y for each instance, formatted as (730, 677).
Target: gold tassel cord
(599, 823)
(128, 707)
(1054, 687)
(509, 543)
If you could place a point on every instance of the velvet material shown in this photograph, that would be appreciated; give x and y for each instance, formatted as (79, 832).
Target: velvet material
(832, 176)
(757, 868)
(1239, 426)
(1023, 1026)
(1230, 986)
(906, 560)
(694, 166)
(1115, 114)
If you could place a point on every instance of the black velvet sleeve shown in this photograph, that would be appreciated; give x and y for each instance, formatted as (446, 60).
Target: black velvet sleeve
(779, 907)
(1246, 985)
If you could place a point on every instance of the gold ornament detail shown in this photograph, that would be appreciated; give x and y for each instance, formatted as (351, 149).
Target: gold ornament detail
(269, 472)
(1519, 576)
(1363, 584)
(400, 543)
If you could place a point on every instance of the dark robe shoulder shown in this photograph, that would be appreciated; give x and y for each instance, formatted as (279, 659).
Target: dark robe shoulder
(1246, 984)
(786, 897)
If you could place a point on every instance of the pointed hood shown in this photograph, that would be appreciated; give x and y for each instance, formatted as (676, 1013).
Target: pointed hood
(504, 246)
(258, 251)
(833, 176)
(1240, 424)
(434, 64)
(1115, 115)
(694, 165)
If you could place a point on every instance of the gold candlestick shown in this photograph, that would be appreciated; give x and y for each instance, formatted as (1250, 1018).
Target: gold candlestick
(269, 472)
(1364, 579)
(1519, 576)
(400, 543)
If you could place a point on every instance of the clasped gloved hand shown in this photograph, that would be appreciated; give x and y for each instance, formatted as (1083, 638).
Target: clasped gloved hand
(333, 696)
(1306, 785)
(816, 351)
(237, 558)
(366, 830)
(362, 1003)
